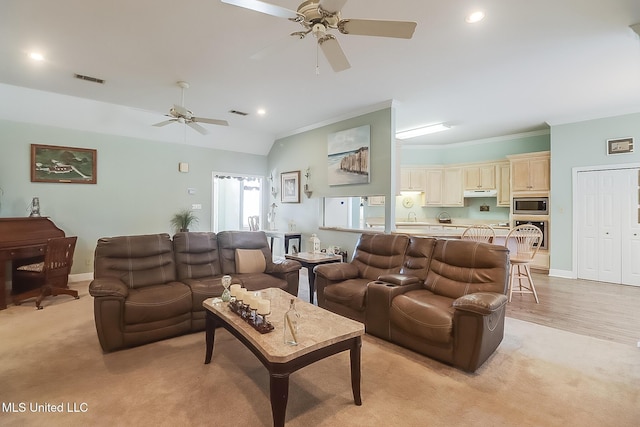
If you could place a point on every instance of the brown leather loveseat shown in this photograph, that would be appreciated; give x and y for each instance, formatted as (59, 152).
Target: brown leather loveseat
(148, 287)
(446, 299)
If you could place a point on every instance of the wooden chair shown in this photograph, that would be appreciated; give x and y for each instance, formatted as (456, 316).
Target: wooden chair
(479, 233)
(526, 239)
(52, 275)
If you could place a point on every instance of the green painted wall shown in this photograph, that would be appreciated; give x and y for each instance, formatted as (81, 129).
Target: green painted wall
(139, 187)
(574, 145)
(309, 150)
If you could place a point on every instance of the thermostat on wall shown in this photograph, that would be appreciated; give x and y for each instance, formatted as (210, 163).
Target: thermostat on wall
(183, 167)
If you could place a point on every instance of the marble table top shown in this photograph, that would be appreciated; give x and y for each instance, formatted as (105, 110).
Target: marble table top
(318, 327)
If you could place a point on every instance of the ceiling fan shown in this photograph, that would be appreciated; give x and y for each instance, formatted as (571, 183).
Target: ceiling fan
(179, 114)
(319, 16)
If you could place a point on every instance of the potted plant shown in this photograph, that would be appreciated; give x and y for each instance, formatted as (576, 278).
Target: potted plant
(182, 220)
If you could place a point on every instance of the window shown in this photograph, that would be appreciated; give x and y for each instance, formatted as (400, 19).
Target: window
(235, 199)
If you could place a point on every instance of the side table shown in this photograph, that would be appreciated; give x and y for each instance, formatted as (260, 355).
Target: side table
(286, 236)
(310, 260)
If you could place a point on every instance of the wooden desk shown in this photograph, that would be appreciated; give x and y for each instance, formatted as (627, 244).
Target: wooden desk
(20, 239)
(286, 235)
(310, 260)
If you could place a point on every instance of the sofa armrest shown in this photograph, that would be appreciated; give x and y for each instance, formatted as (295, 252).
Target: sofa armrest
(398, 279)
(379, 298)
(483, 303)
(336, 271)
(284, 266)
(108, 286)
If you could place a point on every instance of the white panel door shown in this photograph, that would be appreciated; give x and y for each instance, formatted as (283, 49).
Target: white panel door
(608, 229)
(630, 222)
(588, 234)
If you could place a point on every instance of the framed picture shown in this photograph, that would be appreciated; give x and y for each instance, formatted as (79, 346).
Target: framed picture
(290, 187)
(348, 156)
(51, 163)
(619, 146)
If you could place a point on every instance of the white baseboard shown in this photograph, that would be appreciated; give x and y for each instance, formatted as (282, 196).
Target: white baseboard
(80, 277)
(565, 274)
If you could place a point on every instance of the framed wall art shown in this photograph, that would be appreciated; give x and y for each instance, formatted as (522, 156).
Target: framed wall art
(50, 163)
(619, 146)
(348, 156)
(290, 187)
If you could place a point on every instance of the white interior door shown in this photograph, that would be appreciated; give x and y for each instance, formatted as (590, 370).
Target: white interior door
(608, 229)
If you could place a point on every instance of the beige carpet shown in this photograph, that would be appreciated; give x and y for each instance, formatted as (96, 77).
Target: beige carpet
(538, 377)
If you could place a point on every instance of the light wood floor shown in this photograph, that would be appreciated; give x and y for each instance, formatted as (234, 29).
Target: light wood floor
(597, 309)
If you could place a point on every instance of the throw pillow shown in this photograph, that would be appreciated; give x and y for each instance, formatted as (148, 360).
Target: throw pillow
(250, 261)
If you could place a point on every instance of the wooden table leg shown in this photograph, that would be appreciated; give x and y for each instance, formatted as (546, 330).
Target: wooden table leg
(279, 393)
(355, 370)
(312, 281)
(210, 331)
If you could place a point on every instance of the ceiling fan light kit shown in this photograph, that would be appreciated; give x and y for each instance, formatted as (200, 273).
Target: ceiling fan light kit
(180, 114)
(320, 16)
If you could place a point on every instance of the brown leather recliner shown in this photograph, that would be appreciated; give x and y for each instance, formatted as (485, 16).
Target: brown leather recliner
(456, 314)
(202, 258)
(137, 298)
(342, 287)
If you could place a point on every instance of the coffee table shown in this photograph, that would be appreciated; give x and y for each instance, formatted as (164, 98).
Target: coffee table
(310, 260)
(321, 334)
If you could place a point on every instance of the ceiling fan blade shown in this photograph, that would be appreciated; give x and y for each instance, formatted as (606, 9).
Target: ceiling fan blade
(371, 27)
(332, 6)
(166, 122)
(197, 127)
(333, 52)
(268, 8)
(210, 121)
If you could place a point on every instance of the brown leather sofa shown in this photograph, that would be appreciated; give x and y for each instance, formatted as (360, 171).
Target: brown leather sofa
(148, 287)
(446, 301)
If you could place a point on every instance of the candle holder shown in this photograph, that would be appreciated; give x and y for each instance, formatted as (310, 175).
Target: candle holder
(259, 322)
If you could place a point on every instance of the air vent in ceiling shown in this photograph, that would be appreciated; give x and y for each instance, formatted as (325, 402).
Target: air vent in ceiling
(240, 113)
(89, 78)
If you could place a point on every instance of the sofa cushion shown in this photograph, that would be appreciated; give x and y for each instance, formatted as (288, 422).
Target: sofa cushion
(157, 302)
(259, 281)
(196, 255)
(351, 293)
(378, 254)
(424, 314)
(201, 289)
(250, 261)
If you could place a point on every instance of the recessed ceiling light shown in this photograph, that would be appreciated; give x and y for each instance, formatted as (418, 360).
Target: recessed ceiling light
(262, 112)
(475, 17)
(36, 56)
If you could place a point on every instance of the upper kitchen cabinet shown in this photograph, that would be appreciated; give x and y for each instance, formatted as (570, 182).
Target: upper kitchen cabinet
(480, 177)
(530, 172)
(452, 192)
(412, 179)
(503, 181)
(433, 186)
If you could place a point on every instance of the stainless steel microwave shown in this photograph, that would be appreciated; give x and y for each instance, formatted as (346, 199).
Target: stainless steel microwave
(530, 206)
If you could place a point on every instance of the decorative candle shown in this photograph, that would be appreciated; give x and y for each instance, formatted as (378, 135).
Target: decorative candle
(264, 306)
(234, 290)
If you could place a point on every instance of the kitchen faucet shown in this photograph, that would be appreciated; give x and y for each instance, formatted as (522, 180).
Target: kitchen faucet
(415, 218)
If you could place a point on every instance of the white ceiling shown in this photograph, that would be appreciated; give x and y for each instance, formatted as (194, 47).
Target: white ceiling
(528, 63)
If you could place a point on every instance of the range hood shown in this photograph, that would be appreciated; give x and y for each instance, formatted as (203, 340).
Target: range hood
(480, 193)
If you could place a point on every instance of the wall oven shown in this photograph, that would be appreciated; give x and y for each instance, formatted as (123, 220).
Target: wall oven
(530, 206)
(542, 225)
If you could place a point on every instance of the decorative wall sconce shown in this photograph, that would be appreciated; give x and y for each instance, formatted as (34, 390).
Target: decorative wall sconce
(307, 174)
(274, 188)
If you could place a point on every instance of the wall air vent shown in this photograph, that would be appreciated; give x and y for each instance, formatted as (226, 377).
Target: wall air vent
(89, 78)
(240, 113)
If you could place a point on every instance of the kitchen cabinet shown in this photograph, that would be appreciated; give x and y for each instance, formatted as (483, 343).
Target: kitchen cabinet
(503, 184)
(480, 177)
(412, 179)
(530, 172)
(452, 192)
(433, 186)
